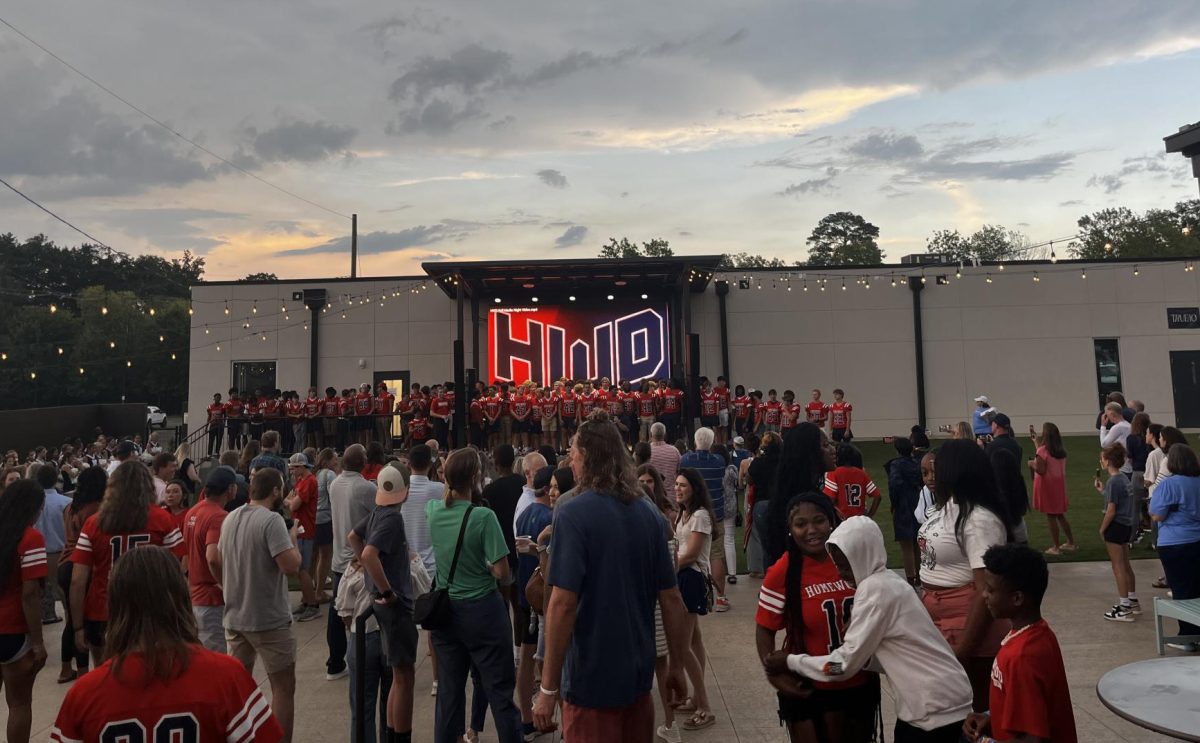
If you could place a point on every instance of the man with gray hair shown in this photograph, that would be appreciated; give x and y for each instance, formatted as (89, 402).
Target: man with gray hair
(712, 468)
(664, 457)
(351, 499)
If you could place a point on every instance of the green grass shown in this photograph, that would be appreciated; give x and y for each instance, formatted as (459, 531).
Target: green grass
(1085, 505)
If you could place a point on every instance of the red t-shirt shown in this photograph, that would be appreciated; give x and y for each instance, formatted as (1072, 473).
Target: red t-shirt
(492, 406)
(306, 514)
(839, 414)
(330, 406)
(99, 551)
(252, 406)
(587, 403)
(201, 528)
(442, 405)
(213, 700)
(723, 395)
(849, 487)
(817, 412)
(709, 403)
(370, 472)
(791, 415)
(234, 408)
(518, 406)
(825, 604)
(646, 404)
(294, 409)
(1029, 692)
(272, 408)
(475, 411)
(671, 400)
(312, 407)
(548, 407)
(742, 405)
(364, 403)
(770, 412)
(29, 565)
(614, 404)
(418, 428)
(346, 406)
(216, 411)
(384, 403)
(567, 405)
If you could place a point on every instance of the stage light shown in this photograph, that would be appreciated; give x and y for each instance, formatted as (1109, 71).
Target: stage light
(645, 296)
(497, 300)
(533, 299)
(571, 298)
(610, 297)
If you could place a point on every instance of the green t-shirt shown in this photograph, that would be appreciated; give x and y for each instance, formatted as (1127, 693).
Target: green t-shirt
(483, 544)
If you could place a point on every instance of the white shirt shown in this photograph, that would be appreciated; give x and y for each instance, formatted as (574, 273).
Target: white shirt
(1115, 435)
(699, 522)
(1155, 465)
(525, 501)
(160, 489)
(944, 561)
(421, 490)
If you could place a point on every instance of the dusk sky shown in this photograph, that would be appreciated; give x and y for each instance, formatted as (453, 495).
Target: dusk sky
(481, 130)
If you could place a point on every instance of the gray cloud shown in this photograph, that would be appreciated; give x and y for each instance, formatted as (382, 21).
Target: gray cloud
(1072, 202)
(379, 242)
(946, 160)
(171, 229)
(467, 71)
(301, 141)
(1153, 165)
(735, 37)
(887, 147)
(437, 117)
(573, 235)
(552, 178)
(823, 184)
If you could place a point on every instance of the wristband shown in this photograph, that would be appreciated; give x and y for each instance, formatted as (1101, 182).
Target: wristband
(546, 692)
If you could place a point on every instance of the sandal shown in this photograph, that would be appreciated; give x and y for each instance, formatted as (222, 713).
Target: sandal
(1160, 582)
(69, 678)
(1052, 551)
(699, 721)
(687, 705)
(1070, 547)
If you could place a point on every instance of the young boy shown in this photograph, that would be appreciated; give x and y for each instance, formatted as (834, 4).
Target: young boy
(770, 413)
(839, 417)
(849, 486)
(817, 410)
(1030, 699)
(743, 409)
(904, 490)
(791, 411)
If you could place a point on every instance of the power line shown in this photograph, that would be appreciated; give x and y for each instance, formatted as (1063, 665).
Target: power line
(162, 124)
(15, 190)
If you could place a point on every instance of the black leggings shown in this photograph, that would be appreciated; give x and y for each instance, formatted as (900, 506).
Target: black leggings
(68, 649)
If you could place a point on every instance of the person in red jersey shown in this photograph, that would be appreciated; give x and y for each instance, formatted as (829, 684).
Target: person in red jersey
(127, 519)
(361, 421)
(614, 406)
(476, 423)
(710, 405)
(671, 398)
(493, 408)
(302, 502)
(803, 596)
(568, 413)
(272, 411)
(418, 428)
(441, 407)
(23, 569)
(313, 428)
(216, 425)
(816, 410)
(159, 683)
(839, 417)
(254, 414)
(743, 412)
(587, 400)
(175, 502)
(1030, 699)
(770, 413)
(346, 421)
(791, 411)
(293, 409)
(548, 412)
(629, 417)
(850, 487)
(201, 532)
(647, 408)
(331, 407)
(235, 422)
(533, 424)
(384, 403)
(722, 392)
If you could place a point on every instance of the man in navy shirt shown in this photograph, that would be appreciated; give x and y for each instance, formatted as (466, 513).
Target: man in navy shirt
(712, 468)
(608, 551)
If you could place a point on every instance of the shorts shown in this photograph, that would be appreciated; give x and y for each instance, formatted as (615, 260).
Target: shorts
(909, 733)
(549, 425)
(305, 546)
(521, 622)
(569, 424)
(693, 586)
(841, 434)
(324, 534)
(716, 550)
(533, 425)
(723, 417)
(93, 632)
(1118, 533)
(14, 647)
(708, 421)
(856, 701)
(210, 627)
(634, 722)
(948, 609)
(398, 634)
(742, 426)
(276, 647)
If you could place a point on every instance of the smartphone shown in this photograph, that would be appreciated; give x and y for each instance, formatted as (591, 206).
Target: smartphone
(1098, 473)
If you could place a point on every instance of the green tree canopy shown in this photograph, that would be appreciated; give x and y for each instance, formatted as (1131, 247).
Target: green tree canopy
(656, 248)
(1122, 233)
(991, 242)
(751, 260)
(844, 239)
(261, 276)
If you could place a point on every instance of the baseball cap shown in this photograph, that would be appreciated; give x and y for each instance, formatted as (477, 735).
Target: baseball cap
(392, 485)
(220, 479)
(299, 459)
(1002, 420)
(542, 478)
(738, 440)
(983, 399)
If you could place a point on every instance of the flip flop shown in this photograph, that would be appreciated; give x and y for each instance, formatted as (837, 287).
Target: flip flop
(699, 721)
(1052, 551)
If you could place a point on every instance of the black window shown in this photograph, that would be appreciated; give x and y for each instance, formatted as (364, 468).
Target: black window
(254, 375)
(1108, 367)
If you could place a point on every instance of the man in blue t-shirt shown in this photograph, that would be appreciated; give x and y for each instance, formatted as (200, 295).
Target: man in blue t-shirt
(608, 565)
(712, 468)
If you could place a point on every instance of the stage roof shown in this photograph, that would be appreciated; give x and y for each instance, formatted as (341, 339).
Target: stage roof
(561, 277)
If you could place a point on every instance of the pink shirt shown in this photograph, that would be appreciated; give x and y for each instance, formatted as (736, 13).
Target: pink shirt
(665, 459)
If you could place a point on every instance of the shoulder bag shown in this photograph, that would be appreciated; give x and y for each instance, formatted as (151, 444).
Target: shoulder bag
(431, 610)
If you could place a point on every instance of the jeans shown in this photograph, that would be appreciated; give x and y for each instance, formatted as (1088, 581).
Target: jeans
(1180, 563)
(480, 633)
(731, 537)
(479, 704)
(50, 587)
(335, 633)
(755, 553)
(67, 649)
(379, 683)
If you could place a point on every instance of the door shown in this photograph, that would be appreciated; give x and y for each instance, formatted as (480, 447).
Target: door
(1185, 382)
(397, 384)
(1108, 367)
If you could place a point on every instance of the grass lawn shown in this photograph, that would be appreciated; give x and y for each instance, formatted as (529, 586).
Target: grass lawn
(1085, 510)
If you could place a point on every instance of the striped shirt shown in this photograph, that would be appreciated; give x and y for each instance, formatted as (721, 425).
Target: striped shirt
(421, 490)
(664, 458)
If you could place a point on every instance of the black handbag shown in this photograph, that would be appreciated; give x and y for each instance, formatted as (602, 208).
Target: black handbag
(431, 610)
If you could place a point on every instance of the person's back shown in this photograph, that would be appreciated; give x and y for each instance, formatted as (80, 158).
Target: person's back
(255, 589)
(201, 528)
(482, 545)
(1177, 502)
(665, 459)
(850, 488)
(502, 495)
(421, 490)
(351, 498)
(712, 468)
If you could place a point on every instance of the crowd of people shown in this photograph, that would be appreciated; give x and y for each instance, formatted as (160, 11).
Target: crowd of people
(510, 558)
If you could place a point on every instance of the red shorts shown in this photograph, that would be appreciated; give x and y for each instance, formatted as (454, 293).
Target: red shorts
(632, 724)
(949, 608)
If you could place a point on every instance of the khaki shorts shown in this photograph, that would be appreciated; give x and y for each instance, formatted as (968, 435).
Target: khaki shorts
(716, 550)
(549, 425)
(276, 647)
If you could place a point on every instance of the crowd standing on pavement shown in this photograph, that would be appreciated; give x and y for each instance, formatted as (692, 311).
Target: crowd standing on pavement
(509, 555)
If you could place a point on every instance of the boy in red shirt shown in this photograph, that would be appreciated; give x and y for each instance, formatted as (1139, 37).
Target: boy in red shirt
(722, 393)
(817, 410)
(364, 406)
(849, 486)
(647, 407)
(671, 408)
(235, 426)
(568, 414)
(346, 419)
(216, 417)
(493, 405)
(1030, 698)
(710, 404)
(743, 412)
(314, 432)
(839, 418)
(385, 402)
(330, 407)
(791, 411)
(302, 502)
(418, 428)
(518, 410)
(770, 413)
(548, 411)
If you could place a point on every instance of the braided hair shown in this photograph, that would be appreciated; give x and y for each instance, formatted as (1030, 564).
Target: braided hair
(795, 579)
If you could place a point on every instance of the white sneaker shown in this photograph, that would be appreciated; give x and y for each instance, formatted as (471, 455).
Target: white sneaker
(339, 675)
(669, 734)
(1184, 647)
(1135, 606)
(1119, 613)
(433, 690)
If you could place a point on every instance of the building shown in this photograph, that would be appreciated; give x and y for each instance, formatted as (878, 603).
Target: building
(908, 342)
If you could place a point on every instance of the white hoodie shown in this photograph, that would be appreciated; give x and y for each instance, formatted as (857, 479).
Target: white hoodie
(890, 624)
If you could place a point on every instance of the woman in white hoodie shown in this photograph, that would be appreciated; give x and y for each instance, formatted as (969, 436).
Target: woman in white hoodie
(891, 626)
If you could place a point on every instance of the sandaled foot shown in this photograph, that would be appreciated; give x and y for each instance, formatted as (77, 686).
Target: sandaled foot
(687, 705)
(1052, 551)
(699, 721)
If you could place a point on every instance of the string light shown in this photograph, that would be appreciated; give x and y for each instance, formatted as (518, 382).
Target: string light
(103, 310)
(33, 375)
(1036, 279)
(1053, 257)
(1001, 266)
(112, 344)
(893, 281)
(162, 338)
(3, 356)
(958, 271)
(60, 351)
(128, 364)
(805, 285)
(610, 297)
(571, 298)
(645, 296)
(152, 312)
(1108, 247)
(1136, 272)
(989, 278)
(1083, 273)
(822, 283)
(343, 314)
(53, 308)
(246, 324)
(843, 284)
(206, 331)
(81, 370)
(922, 276)
(264, 337)
(226, 307)
(218, 346)
(867, 282)
(283, 308)
(534, 299)
(306, 325)
(191, 311)
(172, 357)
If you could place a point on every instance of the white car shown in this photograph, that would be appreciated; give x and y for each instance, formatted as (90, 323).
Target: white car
(156, 417)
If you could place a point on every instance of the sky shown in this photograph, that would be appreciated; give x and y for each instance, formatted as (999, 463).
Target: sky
(501, 130)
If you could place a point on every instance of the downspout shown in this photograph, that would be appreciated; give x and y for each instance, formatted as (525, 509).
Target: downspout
(916, 285)
(722, 293)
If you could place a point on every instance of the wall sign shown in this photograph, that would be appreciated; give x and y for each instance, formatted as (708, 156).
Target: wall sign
(1183, 318)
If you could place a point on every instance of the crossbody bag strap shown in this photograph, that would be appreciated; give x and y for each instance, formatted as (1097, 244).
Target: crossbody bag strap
(458, 547)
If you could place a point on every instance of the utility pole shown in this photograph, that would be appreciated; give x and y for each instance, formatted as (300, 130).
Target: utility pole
(353, 246)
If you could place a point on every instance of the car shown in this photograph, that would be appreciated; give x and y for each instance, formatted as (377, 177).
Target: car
(155, 417)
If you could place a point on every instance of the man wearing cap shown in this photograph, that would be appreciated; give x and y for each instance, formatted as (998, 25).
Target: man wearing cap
(125, 451)
(1012, 482)
(981, 417)
(201, 533)
(302, 502)
(380, 545)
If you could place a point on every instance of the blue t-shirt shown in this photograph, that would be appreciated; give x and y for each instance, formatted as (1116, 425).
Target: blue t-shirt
(1178, 498)
(533, 520)
(50, 521)
(712, 468)
(613, 556)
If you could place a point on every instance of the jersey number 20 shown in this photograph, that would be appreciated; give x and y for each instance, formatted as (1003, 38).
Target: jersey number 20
(834, 622)
(178, 728)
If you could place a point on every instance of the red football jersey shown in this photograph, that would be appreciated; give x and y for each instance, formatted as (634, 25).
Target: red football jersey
(201, 528)
(492, 406)
(251, 406)
(817, 412)
(216, 411)
(271, 408)
(723, 395)
(294, 409)
(29, 565)
(825, 604)
(518, 406)
(849, 487)
(771, 413)
(647, 402)
(306, 515)
(1029, 692)
(548, 407)
(475, 411)
(234, 408)
(791, 415)
(364, 403)
(384, 403)
(442, 405)
(330, 406)
(568, 405)
(587, 403)
(709, 403)
(672, 400)
(213, 700)
(614, 404)
(742, 405)
(99, 551)
(312, 407)
(839, 414)
(346, 406)
(418, 428)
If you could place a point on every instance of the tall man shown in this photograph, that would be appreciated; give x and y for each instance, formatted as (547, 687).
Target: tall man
(351, 498)
(50, 524)
(202, 535)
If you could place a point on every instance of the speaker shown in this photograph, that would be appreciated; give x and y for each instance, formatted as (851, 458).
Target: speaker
(692, 365)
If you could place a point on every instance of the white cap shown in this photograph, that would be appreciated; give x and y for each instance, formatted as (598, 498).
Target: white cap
(983, 399)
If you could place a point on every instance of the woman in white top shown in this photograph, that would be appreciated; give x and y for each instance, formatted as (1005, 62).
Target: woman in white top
(693, 540)
(969, 518)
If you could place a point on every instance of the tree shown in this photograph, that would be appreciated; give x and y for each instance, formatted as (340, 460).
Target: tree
(262, 276)
(749, 260)
(990, 242)
(1121, 233)
(844, 239)
(656, 248)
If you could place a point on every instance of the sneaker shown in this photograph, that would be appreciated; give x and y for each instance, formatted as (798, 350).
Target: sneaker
(335, 675)
(1119, 613)
(299, 610)
(1135, 606)
(721, 604)
(1184, 647)
(433, 690)
(310, 613)
(732, 580)
(529, 733)
(669, 734)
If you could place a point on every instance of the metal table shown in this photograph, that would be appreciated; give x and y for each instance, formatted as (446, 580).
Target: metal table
(1162, 694)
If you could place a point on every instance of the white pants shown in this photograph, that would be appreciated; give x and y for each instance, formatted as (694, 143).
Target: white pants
(730, 541)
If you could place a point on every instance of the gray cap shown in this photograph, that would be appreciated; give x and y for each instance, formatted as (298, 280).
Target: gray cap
(299, 459)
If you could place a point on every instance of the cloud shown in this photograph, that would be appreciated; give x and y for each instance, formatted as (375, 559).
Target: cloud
(468, 175)
(1071, 202)
(378, 242)
(438, 117)
(735, 37)
(573, 235)
(946, 159)
(823, 184)
(466, 71)
(887, 147)
(170, 229)
(552, 178)
(301, 141)
(1153, 165)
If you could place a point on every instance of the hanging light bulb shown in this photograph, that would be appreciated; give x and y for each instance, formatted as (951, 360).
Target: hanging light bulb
(867, 283)
(53, 308)
(60, 351)
(103, 310)
(254, 309)
(227, 307)
(172, 357)
(191, 311)
(264, 336)
(286, 316)
(246, 325)
(306, 325)
(958, 271)
(162, 338)
(128, 364)
(343, 314)
(1053, 257)
(989, 278)
(893, 281)
(1136, 272)
(922, 276)
(206, 330)
(33, 375)
(1036, 278)
(218, 346)
(805, 285)
(822, 283)
(283, 308)
(4, 356)
(1001, 267)
(112, 344)
(81, 370)
(843, 284)
(152, 312)
(1083, 273)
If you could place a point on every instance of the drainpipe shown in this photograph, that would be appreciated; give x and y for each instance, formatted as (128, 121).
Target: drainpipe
(917, 286)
